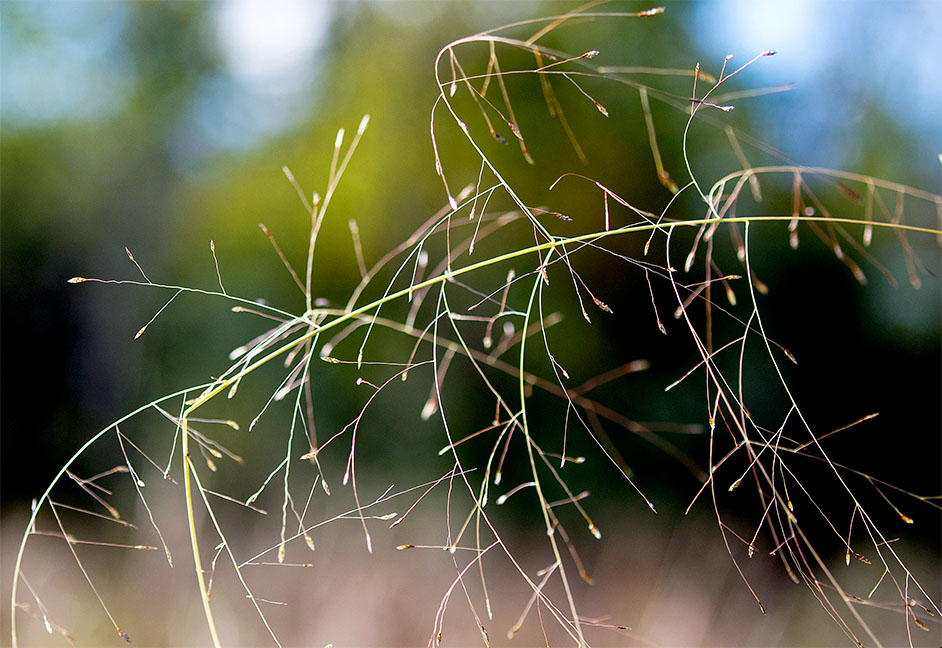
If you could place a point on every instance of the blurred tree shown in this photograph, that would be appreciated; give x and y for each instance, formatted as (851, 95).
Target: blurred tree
(145, 171)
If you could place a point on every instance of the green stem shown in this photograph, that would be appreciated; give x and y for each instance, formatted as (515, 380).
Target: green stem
(194, 542)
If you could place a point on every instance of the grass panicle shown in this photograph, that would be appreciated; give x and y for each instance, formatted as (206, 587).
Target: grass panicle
(437, 291)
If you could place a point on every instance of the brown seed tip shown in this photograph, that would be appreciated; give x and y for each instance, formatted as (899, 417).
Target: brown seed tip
(602, 305)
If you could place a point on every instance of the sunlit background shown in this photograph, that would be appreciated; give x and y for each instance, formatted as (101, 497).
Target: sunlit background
(161, 126)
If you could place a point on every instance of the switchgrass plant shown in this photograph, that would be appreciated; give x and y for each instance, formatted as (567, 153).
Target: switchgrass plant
(472, 292)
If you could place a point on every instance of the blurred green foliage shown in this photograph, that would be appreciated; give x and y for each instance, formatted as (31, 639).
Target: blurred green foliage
(145, 170)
